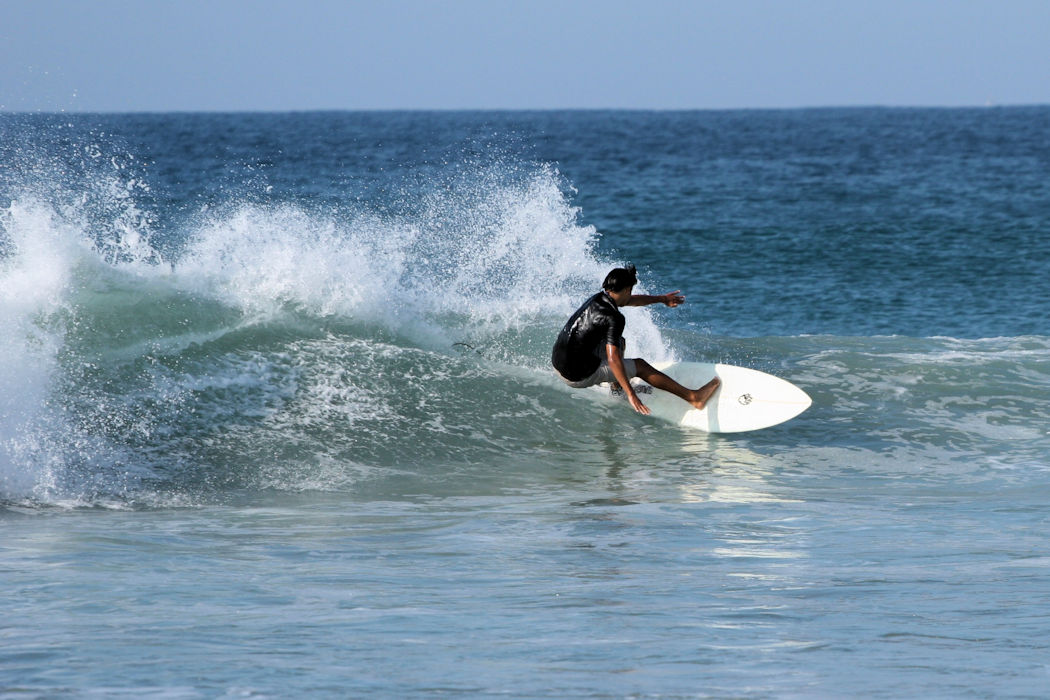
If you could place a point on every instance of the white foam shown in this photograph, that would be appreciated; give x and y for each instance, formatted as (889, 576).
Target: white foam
(34, 277)
(261, 259)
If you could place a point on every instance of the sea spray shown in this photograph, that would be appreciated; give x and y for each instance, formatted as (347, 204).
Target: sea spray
(477, 258)
(75, 212)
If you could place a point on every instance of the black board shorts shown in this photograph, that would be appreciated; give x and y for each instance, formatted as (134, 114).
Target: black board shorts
(604, 373)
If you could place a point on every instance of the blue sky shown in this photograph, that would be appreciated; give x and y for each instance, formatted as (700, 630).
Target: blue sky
(161, 55)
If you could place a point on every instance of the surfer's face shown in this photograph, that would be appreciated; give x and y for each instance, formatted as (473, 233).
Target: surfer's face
(623, 296)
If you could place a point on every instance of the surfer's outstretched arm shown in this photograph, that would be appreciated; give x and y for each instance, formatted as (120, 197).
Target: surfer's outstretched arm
(697, 397)
(671, 299)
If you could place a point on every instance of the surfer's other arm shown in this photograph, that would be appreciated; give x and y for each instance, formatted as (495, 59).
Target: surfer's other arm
(616, 365)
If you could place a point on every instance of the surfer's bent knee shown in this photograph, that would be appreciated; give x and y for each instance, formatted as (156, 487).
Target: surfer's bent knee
(643, 366)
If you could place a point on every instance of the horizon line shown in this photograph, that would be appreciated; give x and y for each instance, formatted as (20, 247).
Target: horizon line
(509, 110)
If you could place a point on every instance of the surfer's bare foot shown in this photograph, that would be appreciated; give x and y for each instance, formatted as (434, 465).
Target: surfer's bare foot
(703, 394)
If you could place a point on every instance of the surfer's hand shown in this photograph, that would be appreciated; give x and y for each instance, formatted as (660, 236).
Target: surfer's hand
(637, 404)
(674, 298)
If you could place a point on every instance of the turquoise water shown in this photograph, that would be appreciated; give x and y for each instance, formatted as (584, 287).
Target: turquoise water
(276, 418)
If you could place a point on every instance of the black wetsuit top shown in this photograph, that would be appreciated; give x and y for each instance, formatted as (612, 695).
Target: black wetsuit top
(576, 353)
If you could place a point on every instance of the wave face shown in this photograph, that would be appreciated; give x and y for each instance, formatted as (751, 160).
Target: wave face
(199, 306)
(276, 345)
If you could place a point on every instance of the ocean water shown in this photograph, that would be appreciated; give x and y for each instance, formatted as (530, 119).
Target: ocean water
(277, 420)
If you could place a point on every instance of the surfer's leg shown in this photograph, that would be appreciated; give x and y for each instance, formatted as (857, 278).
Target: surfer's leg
(697, 397)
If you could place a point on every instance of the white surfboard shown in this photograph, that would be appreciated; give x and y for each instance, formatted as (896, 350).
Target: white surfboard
(746, 400)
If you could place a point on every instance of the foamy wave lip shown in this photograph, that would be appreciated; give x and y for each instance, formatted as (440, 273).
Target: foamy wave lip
(41, 251)
(474, 260)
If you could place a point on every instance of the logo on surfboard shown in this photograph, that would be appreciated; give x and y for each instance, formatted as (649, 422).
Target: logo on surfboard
(745, 399)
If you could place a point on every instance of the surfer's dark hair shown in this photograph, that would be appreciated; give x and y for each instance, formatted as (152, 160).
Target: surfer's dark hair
(620, 278)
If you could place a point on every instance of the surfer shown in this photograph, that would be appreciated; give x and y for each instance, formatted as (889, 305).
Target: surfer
(589, 349)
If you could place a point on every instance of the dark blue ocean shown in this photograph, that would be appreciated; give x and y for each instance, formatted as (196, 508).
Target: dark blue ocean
(277, 418)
